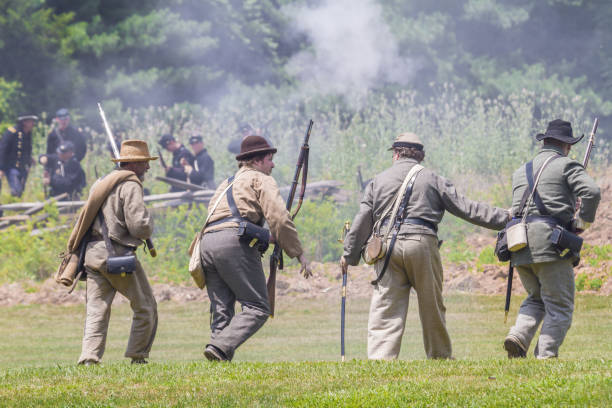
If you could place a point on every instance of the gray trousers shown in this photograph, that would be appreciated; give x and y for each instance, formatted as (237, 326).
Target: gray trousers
(550, 301)
(415, 263)
(101, 290)
(233, 273)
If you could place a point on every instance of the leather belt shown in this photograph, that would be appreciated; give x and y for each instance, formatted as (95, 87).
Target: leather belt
(420, 221)
(545, 219)
(224, 220)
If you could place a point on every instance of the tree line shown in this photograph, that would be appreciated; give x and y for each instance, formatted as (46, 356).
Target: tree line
(57, 53)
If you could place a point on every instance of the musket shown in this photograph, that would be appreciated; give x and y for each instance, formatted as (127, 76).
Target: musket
(276, 259)
(590, 145)
(508, 292)
(345, 230)
(161, 159)
(148, 241)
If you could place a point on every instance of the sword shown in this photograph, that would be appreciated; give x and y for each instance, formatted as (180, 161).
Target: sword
(148, 241)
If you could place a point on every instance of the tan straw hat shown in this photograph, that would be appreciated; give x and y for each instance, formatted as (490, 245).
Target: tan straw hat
(134, 151)
(407, 139)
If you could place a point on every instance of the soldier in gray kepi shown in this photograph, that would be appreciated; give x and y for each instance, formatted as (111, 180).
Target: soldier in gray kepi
(545, 268)
(233, 243)
(414, 261)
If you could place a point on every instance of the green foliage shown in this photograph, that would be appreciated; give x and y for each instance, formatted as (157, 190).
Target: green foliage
(174, 230)
(319, 225)
(457, 251)
(9, 92)
(32, 255)
(595, 284)
(595, 255)
(581, 281)
(486, 257)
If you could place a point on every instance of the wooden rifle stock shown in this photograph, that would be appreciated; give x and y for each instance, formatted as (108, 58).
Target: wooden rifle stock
(276, 259)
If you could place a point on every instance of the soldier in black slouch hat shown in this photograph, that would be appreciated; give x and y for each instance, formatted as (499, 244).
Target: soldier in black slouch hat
(546, 270)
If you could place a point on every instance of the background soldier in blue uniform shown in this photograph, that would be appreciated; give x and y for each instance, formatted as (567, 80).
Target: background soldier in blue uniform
(179, 152)
(16, 153)
(203, 171)
(63, 172)
(63, 131)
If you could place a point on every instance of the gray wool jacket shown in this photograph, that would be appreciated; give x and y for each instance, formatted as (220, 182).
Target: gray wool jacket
(562, 181)
(432, 195)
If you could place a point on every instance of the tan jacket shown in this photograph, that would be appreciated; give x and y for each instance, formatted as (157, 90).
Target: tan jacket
(128, 220)
(257, 198)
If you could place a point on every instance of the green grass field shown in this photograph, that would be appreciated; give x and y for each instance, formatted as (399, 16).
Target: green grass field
(294, 360)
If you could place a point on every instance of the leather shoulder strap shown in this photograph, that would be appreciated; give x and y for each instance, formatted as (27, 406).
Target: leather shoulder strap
(532, 187)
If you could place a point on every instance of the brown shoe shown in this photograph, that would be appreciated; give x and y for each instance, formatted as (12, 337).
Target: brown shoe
(89, 362)
(514, 347)
(139, 361)
(213, 353)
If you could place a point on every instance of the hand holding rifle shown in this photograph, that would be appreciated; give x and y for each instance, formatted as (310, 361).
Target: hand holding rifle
(306, 269)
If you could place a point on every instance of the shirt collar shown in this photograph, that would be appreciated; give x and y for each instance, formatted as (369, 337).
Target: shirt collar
(404, 160)
(555, 149)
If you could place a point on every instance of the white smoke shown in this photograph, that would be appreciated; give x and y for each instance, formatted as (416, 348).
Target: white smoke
(352, 49)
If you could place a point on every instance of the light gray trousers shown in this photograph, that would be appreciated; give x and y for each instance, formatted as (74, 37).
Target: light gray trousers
(233, 273)
(550, 301)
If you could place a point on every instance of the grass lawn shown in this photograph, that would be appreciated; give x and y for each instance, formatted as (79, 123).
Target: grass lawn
(294, 360)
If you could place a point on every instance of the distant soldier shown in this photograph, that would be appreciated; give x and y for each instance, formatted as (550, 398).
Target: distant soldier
(63, 173)
(203, 171)
(546, 270)
(121, 223)
(415, 259)
(16, 153)
(179, 152)
(244, 130)
(63, 131)
(231, 258)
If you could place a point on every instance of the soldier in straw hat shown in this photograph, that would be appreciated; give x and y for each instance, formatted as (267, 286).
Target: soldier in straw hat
(414, 261)
(121, 223)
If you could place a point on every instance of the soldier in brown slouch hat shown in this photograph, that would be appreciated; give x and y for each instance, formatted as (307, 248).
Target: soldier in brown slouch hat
(232, 244)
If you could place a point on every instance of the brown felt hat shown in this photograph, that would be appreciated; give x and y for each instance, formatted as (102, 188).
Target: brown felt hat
(407, 139)
(254, 145)
(134, 151)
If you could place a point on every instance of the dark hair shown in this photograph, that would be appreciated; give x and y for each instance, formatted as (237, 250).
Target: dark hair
(250, 160)
(410, 153)
(554, 142)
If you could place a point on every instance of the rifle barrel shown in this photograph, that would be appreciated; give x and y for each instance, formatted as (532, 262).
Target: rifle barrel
(587, 153)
